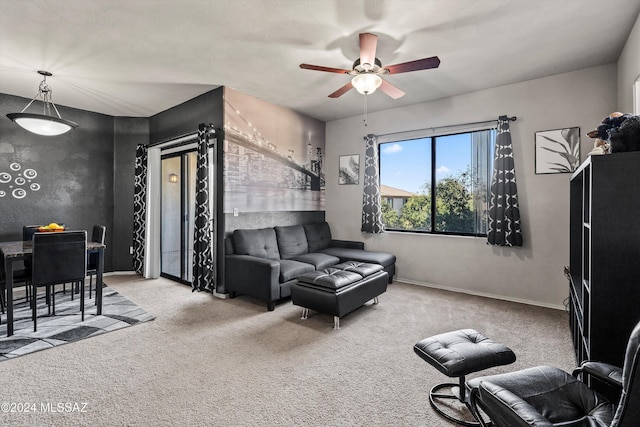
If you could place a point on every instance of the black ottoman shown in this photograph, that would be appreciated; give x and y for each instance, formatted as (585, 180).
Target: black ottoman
(339, 290)
(457, 354)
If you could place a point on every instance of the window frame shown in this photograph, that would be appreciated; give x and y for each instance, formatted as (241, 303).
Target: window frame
(432, 134)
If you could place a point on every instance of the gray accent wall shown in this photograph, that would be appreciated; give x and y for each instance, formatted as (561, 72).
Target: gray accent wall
(86, 176)
(129, 132)
(184, 118)
(75, 173)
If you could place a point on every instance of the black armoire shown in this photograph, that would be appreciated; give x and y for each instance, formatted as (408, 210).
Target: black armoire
(604, 301)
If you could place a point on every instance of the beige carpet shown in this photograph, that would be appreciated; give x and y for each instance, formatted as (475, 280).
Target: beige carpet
(210, 362)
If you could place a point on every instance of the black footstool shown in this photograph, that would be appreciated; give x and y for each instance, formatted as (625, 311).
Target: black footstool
(457, 354)
(340, 289)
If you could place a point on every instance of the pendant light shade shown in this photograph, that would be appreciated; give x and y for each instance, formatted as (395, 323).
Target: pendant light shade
(44, 124)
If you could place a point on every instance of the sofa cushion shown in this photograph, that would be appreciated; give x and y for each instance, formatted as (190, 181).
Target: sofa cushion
(318, 259)
(318, 236)
(347, 254)
(290, 269)
(291, 241)
(260, 243)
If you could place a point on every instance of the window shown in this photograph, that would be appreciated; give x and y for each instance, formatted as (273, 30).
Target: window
(437, 184)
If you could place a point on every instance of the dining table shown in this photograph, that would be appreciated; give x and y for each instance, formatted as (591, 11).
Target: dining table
(13, 252)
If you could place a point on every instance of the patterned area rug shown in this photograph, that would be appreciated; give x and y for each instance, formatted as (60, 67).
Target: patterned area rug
(66, 326)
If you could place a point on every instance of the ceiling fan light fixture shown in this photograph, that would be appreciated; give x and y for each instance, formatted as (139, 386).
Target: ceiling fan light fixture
(366, 83)
(44, 124)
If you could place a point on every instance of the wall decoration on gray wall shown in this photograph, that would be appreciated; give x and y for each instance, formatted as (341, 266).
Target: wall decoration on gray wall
(349, 169)
(18, 182)
(557, 150)
(273, 157)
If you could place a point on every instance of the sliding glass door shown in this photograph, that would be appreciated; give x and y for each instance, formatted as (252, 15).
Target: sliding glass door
(178, 211)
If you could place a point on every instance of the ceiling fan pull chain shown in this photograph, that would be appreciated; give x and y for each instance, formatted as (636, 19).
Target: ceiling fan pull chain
(365, 111)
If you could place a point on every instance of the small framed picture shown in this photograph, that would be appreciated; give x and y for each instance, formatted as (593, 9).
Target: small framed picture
(557, 150)
(349, 169)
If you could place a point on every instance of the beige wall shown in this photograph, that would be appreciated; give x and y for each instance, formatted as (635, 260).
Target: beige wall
(629, 70)
(532, 273)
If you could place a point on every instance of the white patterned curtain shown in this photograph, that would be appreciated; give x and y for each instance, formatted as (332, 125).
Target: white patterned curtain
(203, 275)
(371, 201)
(139, 208)
(504, 212)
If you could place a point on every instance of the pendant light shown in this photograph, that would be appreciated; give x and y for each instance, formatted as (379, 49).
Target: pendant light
(44, 124)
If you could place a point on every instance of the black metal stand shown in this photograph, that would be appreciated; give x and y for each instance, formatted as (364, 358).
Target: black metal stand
(458, 392)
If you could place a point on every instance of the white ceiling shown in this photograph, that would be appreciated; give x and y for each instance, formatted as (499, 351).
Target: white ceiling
(140, 57)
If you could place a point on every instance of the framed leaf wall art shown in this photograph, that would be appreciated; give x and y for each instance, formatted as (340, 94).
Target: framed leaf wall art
(557, 150)
(349, 169)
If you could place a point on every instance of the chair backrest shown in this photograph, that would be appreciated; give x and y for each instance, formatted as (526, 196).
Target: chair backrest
(28, 232)
(59, 257)
(628, 412)
(98, 233)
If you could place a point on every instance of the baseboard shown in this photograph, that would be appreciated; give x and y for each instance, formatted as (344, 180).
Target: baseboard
(221, 296)
(118, 273)
(480, 294)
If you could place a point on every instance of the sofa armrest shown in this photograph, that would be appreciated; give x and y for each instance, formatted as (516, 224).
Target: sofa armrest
(250, 275)
(351, 244)
(605, 372)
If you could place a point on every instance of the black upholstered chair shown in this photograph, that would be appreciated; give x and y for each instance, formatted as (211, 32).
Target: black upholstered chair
(97, 235)
(58, 258)
(21, 277)
(547, 396)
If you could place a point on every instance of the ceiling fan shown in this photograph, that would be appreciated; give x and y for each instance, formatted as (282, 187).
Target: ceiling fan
(367, 70)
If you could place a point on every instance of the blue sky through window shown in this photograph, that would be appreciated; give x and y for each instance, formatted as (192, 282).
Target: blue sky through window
(406, 165)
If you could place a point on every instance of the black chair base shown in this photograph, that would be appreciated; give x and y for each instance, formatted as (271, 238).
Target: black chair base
(454, 394)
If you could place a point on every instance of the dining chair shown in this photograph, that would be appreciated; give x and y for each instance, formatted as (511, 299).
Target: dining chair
(57, 258)
(98, 236)
(27, 235)
(20, 277)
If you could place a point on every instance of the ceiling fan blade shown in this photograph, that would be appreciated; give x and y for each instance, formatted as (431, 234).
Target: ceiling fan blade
(344, 89)
(391, 90)
(419, 64)
(368, 44)
(327, 69)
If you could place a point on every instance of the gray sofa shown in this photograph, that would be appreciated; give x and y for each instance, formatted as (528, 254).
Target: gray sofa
(264, 263)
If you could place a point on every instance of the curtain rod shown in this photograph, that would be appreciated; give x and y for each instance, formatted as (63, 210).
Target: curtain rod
(512, 119)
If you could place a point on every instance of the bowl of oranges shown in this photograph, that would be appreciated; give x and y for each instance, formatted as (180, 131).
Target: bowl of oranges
(51, 227)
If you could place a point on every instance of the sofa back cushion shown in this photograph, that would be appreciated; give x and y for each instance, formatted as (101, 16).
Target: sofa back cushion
(318, 236)
(292, 241)
(259, 243)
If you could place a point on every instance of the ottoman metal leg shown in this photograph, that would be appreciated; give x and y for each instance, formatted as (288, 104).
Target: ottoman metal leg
(305, 313)
(375, 300)
(336, 322)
